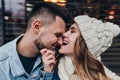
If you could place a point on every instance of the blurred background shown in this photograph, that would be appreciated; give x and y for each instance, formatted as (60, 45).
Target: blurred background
(13, 15)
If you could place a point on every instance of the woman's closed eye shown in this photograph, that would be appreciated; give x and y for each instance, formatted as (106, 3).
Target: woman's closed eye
(73, 31)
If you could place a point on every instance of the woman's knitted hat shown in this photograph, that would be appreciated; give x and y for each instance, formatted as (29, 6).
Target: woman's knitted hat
(97, 35)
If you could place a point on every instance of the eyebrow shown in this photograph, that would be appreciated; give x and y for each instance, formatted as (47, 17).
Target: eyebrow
(73, 28)
(58, 34)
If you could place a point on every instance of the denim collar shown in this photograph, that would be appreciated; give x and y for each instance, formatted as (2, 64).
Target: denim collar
(15, 63)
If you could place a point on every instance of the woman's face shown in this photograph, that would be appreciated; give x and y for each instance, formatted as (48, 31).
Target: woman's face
(69, 39)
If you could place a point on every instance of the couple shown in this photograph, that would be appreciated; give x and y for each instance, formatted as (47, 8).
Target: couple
(82, 45)
(21, 59)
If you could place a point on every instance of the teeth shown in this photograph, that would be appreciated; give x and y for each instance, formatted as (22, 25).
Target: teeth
(64, 42)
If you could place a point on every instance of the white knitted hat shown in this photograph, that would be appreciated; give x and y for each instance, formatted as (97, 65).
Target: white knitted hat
(97, 35)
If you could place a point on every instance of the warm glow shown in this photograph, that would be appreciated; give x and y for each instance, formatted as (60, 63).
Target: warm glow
(59, 2)
(112, 12)
(63, 4)
(111, 17)
(55, 1)
(62, 1)
(47, 0)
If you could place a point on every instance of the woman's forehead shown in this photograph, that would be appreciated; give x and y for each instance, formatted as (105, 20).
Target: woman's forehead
(74, 26)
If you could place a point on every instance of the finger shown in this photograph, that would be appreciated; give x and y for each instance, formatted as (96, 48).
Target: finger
(49, 52)
(50, 57)
(46, 58)
(43, 51)
(50, 63)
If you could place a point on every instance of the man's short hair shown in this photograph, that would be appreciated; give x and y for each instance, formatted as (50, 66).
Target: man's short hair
(47, 12)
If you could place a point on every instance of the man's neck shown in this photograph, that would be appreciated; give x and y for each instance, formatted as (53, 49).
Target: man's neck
(27, 48)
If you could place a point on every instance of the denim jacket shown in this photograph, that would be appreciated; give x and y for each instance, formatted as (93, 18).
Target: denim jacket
(12, 69)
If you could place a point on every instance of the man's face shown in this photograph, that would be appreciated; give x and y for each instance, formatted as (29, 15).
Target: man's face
(51, 36)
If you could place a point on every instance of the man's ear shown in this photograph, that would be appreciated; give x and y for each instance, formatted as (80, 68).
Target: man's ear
(37, 24)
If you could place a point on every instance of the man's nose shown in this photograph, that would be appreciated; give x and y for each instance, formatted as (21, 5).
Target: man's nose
(60, 40)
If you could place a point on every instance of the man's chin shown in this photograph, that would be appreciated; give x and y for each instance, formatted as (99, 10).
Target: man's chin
(52, 47)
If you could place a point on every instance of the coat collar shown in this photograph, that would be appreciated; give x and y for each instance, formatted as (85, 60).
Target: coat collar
(14, 61)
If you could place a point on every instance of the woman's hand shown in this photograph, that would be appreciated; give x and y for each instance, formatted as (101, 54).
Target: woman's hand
(48, 58)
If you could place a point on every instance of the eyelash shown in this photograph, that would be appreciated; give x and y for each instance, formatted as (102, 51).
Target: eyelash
(58, 35)
(72, 31)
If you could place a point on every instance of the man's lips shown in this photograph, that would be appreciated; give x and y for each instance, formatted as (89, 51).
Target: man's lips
(56, 46)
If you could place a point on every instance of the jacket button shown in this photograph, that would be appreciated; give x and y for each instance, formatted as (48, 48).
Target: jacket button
(41, 76)
(26, 76)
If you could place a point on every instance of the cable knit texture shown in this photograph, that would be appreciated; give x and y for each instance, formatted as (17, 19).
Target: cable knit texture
(66, 69)
(97, 35)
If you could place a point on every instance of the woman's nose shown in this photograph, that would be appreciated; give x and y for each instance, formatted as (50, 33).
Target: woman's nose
(66, 34)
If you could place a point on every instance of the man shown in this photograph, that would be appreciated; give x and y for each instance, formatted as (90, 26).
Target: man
(20, 59)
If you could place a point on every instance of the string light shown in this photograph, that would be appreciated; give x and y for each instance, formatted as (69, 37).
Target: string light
(112, 12)
(59, 2)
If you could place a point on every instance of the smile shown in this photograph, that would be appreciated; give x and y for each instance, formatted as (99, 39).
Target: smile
(65, 42)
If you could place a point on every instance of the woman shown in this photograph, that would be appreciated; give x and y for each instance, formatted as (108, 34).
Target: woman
(81, 45)
(83, 42)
